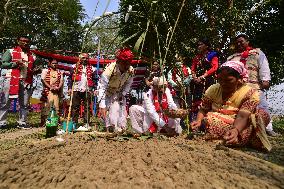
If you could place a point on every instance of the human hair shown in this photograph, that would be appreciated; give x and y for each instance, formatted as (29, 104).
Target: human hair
(205, 41)
(243, 36)
(51, 59)
(230, 71)
(24, 36)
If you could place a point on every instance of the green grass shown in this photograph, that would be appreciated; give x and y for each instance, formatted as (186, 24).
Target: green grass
(278, 125)
(33, 121)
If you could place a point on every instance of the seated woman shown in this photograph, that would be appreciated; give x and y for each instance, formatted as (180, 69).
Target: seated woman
(230, 110)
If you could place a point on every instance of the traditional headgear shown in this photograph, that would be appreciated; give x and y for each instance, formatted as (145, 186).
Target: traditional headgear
(124, 54)
(238, 66)
(159, 81)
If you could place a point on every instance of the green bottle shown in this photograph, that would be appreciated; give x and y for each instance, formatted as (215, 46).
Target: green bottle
(51, 122)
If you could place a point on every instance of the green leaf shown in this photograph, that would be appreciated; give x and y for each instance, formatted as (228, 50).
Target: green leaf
(131, 37)
(139, 41)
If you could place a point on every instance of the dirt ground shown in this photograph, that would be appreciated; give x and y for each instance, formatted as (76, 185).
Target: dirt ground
(28, 160)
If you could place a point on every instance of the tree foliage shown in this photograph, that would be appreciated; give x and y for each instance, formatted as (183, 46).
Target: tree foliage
(53, 24)
(103, 35)
(218, 20)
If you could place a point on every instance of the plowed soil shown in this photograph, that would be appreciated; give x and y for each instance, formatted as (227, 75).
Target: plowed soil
(82, 161)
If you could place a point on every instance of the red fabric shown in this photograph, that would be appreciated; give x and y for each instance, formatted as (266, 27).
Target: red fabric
(124, 54)
(196, 105)
(197, 61)
(89, 74)
(29, 78)
(245, 55)
(184, 70)
(214, 63)
(74, 60)
(82, 108)
(159, 107)
(174, 77)
(16, 72)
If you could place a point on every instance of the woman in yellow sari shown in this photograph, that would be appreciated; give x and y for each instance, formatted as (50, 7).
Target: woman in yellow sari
(230, 110)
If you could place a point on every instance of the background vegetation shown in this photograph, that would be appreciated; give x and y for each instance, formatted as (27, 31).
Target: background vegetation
(53, 24)
(148, 26)
(218, 20)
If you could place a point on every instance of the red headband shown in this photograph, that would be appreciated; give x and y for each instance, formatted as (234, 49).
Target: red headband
(124, 54)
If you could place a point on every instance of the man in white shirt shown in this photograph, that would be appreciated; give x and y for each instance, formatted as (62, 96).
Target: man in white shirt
(114, 84)
(82, 80)
(151, 117)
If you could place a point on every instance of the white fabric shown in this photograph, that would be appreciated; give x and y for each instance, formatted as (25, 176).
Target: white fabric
(102, 85)
(104, 81)
(24, 69)
(264, 71)
(178, 78)
(141, 120)
(264, 105)
(117, 114)
(82, 128)
(264, 75)
(24, 57)
(81, 86)
(24, 97)
(150, 108)
(44, 73)
(263, 65)
(269, 126)
(143, 116)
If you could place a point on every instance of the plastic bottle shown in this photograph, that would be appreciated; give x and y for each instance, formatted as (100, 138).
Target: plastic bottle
(51, 122)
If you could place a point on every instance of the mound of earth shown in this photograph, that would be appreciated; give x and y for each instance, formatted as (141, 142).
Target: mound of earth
(84, 161)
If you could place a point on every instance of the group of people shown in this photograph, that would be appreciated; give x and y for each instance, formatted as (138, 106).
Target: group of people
(81, 81)
(227, 101)
(18, 69)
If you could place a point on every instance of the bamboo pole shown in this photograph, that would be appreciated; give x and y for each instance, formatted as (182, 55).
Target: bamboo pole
(83, 45)
(170, 40)
(71, 97)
